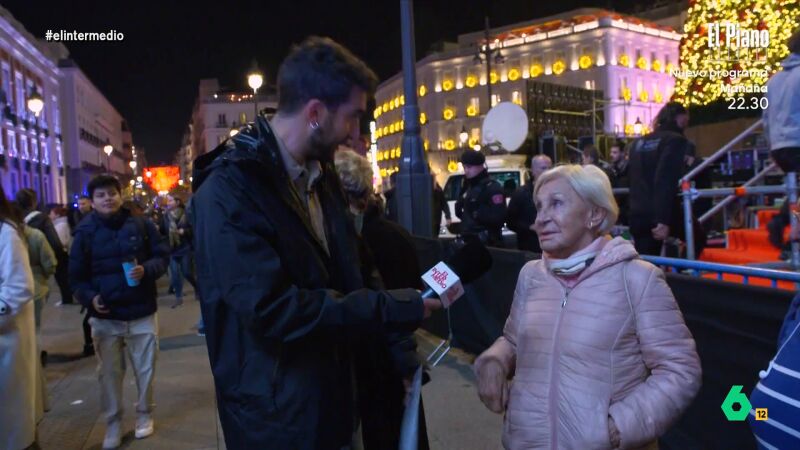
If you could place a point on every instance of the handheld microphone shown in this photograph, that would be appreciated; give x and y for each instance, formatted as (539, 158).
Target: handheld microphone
(446, 279)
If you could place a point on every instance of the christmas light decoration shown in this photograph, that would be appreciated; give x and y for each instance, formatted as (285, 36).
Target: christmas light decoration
(447, 85)
(448, 113)
(422, 90)
(513, 74)
(641, 63)
(449, 145)
(471, 81)
(452, 166)
(472, 110)
(559, 67)
(585, 62)
(493, 77)
(536, 70)
(778, 17)
(626, 94)
(657, 66)
(624, 61)
(423, 118)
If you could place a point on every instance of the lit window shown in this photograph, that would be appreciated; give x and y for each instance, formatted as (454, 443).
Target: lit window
(516, 97)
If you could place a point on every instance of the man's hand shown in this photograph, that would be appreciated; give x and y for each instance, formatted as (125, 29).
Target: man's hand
(97, 303)
(493, 386)
(660, 232)
(431, 305)
(137, 273)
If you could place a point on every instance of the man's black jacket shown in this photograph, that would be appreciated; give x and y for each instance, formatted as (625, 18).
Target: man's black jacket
(521, 215)
(281, 312)
(655, 166)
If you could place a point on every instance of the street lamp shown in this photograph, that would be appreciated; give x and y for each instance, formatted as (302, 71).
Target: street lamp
(463, 136)
(139, 179)
(637, 127)
(35, 102)
(485, 54)
(133, 165)
(255, 79)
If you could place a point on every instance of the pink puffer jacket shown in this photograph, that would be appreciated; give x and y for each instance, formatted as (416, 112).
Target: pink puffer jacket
(579, 355)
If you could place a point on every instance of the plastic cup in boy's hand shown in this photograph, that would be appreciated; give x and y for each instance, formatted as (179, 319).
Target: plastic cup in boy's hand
(128, 267)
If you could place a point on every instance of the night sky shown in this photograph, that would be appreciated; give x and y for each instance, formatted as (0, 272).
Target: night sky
(152, 76)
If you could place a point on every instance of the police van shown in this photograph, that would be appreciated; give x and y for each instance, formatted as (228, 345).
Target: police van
(508, 170)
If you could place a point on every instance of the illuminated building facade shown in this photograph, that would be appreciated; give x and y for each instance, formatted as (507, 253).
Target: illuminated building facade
(626, 58)
(30, 146)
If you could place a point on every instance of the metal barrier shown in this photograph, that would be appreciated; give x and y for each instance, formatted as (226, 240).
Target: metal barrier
(746, 272)
(727, 200)
(689, 194)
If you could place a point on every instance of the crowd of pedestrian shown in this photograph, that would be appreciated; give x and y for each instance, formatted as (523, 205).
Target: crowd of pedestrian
(310, 292)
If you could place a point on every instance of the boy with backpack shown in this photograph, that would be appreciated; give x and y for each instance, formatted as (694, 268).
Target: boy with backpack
(114, 263)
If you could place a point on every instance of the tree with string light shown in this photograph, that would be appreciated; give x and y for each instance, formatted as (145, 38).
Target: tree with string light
(779, 18)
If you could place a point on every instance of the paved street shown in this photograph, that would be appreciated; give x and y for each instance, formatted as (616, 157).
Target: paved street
(185, 414)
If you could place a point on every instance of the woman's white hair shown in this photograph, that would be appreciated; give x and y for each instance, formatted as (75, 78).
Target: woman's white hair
(591, 184)
(354, 171)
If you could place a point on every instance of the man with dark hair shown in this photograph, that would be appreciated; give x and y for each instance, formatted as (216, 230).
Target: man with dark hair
(656, 164)
(590, 155)
(115, 261)
(782, 116)
(282, 293)
(84, 208)
(27, 201)
(522, 211)
(618, 175)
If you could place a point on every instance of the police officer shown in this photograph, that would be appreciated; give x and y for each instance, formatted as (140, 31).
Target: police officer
(656, 164)
(481, 205)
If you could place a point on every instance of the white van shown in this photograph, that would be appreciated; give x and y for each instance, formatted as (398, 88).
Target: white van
(508, 170)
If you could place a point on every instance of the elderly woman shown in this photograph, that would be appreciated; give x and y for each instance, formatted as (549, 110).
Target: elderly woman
(595, 343)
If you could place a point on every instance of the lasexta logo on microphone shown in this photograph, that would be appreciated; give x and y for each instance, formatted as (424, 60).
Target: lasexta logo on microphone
(440, 277)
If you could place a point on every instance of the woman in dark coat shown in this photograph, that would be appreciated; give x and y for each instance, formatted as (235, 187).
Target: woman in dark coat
(390, 362)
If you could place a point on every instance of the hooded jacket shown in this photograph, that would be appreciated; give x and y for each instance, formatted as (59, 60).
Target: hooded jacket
(583, 354)
(280, 311)
(782, 116)
(99, 247)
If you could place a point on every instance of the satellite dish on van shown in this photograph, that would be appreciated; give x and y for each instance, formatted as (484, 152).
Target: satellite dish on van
(505, 127)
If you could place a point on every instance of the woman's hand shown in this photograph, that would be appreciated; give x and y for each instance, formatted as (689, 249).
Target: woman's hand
(493, 386)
